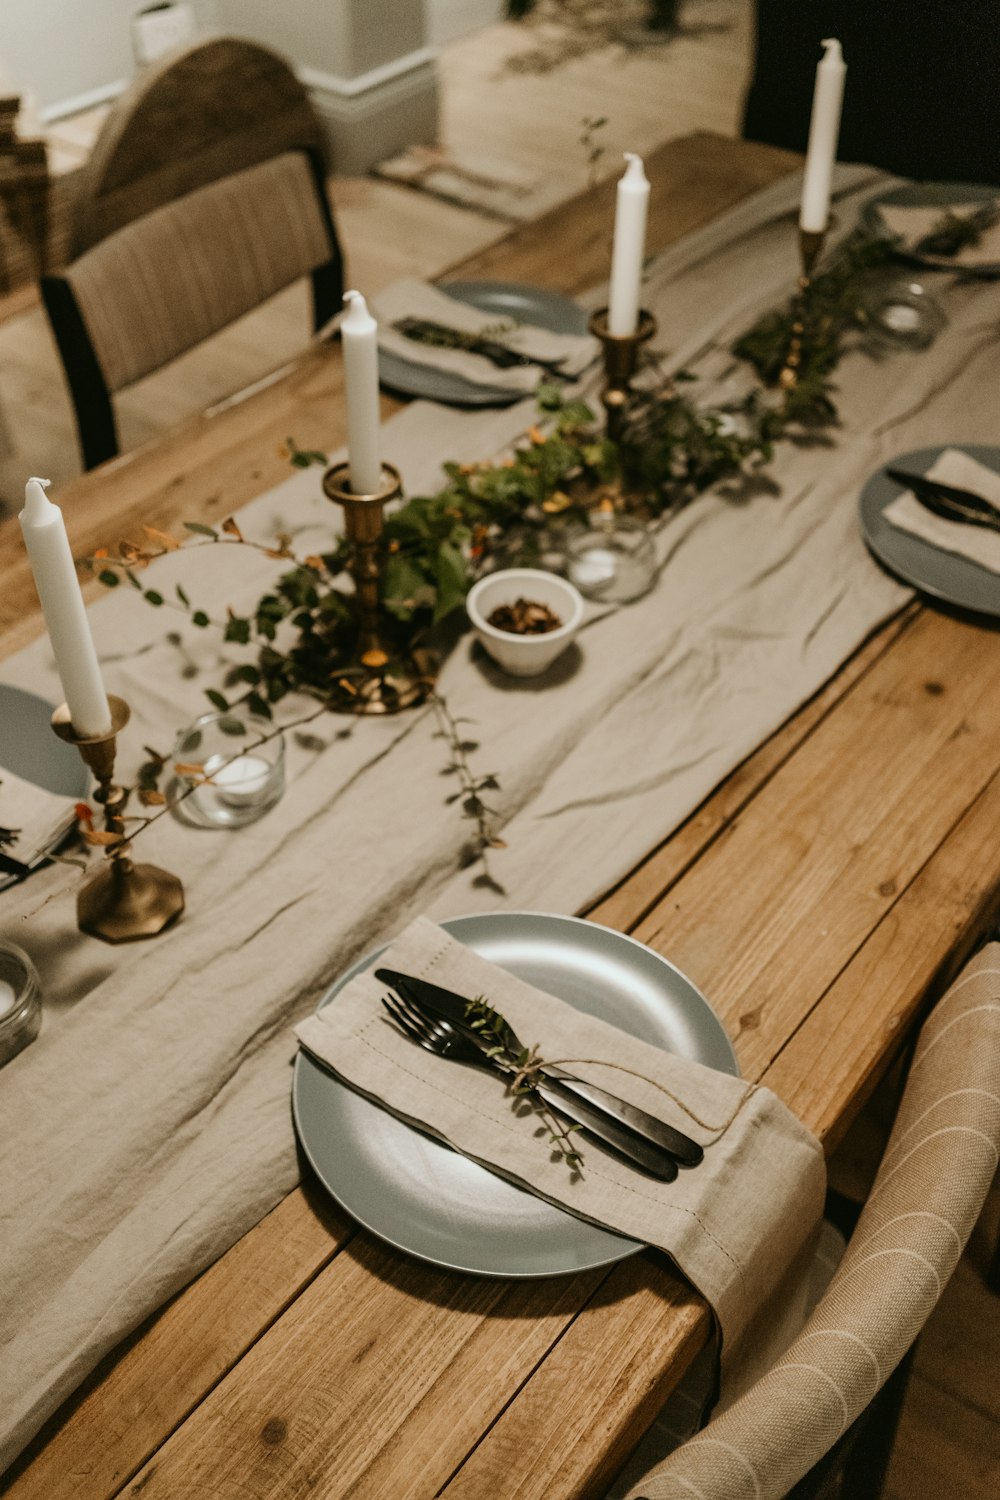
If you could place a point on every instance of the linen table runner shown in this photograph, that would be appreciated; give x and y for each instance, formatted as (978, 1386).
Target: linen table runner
(735, 1224)
(152, 1114)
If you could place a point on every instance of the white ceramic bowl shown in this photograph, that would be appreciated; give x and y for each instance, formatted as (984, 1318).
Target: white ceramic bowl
(524, 655)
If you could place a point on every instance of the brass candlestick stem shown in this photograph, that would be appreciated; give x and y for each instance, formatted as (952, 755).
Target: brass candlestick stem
(381, 688)
(621, 359)
(122, 901)
(810, 249)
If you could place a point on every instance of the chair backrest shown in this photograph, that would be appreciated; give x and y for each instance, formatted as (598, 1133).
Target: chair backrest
(194, 116)
(204, 195)
(927, 1196)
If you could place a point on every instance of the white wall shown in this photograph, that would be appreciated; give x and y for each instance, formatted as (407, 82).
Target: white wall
(61, 50)
(448, 19)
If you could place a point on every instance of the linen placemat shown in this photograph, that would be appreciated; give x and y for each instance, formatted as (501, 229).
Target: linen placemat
(409, 298)
(912, 223)
(977, 543)
(734, 1224)
(155, 1102)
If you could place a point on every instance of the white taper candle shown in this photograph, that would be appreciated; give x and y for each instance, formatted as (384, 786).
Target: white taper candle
(824, 128)
(359, 333)
(65, 616)
(629, 248)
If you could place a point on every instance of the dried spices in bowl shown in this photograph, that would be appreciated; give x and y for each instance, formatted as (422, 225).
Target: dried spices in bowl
(524, 617)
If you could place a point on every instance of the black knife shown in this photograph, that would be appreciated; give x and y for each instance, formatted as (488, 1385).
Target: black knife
(454, 1008)
(948, 501)
(439, 335)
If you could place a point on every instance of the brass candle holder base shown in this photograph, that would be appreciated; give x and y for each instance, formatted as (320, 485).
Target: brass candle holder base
(379, 687)
(621, 359)
(810, 249)
(121, 902)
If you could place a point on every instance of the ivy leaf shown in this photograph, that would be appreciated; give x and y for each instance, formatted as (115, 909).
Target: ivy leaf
(452, 581)
(108, 578)
(200, 619)
(237, 629)
(152, 597)
(217, 700)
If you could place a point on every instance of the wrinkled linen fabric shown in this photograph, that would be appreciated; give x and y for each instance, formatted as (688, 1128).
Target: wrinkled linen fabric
(736, 1225)
(149, 1126)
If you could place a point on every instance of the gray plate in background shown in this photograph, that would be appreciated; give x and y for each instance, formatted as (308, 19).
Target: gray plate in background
(944, 575)
(428, 1200)
(30, 750)
(942, 195)
(504, 301)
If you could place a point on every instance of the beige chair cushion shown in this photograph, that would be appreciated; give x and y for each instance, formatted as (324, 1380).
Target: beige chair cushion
(168, 280)
(929, 1191)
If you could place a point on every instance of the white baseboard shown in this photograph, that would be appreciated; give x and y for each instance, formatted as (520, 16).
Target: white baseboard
(75, 105)
(375, 116)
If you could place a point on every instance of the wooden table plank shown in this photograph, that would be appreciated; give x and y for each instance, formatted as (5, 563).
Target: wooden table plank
(122, 1414)
(809, 869)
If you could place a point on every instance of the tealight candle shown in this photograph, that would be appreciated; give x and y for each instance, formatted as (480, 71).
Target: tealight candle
(8, 998)
(239, 782)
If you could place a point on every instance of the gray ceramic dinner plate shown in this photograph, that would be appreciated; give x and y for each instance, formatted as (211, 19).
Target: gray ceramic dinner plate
(944, 575)
(504, 301)
(426, 1199)
(30, 750)
(942, 195)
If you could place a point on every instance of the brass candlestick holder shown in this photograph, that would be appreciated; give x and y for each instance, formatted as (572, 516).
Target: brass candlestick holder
(122, 901)
(381, 687)
(621, 359)
(810, 250)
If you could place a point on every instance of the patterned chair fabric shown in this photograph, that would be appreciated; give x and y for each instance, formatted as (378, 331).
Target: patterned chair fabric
(164, 283)
(927, 1196)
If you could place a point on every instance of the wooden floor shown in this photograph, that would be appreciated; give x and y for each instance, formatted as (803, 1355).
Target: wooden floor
(514, 139)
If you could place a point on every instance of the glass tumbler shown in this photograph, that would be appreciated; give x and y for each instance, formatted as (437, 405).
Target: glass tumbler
(612, 560)
(246, 778)
(20, 1001)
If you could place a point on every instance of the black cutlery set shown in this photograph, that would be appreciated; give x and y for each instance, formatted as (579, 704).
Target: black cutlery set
(439, 1020)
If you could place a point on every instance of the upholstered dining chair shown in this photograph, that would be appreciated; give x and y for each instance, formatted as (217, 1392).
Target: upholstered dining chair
(781, 1436)
(204, 195)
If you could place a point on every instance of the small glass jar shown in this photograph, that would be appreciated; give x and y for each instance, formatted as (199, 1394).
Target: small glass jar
(20, 1001)
(902, 314)
(246, 778)
(613, 559)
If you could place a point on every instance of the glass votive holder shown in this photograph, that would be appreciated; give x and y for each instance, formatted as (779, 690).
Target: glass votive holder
(902, 314)
(245, 777)
(20, 1001)
(612, 560)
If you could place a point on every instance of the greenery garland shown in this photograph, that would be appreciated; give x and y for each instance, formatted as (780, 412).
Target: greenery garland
(503, 512)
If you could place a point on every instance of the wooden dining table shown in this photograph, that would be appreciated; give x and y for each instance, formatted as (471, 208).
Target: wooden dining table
(314, 1360)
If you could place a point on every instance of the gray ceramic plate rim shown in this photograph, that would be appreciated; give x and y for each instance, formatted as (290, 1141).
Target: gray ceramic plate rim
(613, 1247)
(47, 754)
(934, 195)
(529, 304)
(943, 575)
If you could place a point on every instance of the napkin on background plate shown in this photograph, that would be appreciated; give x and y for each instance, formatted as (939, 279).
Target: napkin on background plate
(409, 298)
(913, 223)
(976, 543)
(38, 817)
(740, 1226)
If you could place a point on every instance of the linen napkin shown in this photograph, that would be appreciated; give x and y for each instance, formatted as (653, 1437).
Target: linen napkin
(35, 815)
(911, 224)
(735, 1225)
(409, 298)
(976, 543)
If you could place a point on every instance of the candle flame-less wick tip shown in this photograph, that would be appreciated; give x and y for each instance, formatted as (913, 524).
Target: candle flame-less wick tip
(45, 483)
